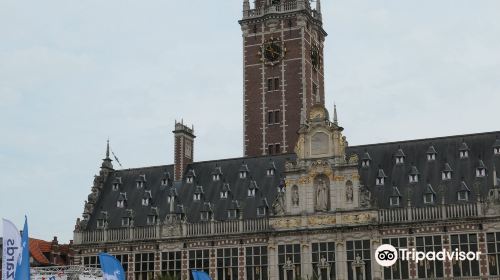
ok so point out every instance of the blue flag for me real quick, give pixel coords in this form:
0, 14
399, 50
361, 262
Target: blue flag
23, 263
111, 268
200, 275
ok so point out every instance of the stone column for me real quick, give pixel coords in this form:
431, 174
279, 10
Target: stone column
272, 251
483, 261
306, 260
213, 263
448, 269
184, 265
340, 260
157, 263
131, 266
377, 270
241, 263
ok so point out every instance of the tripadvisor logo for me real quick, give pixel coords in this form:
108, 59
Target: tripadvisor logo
386, 255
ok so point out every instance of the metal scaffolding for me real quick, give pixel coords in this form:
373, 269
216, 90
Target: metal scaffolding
70, 272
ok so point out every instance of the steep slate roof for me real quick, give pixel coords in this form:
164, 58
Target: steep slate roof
480, 147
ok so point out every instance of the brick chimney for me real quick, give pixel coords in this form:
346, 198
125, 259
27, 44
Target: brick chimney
183, 153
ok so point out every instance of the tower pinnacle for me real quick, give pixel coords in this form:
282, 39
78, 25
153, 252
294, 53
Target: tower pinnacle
106, 162
335, 119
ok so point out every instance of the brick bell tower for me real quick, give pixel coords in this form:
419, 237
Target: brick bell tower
283, 71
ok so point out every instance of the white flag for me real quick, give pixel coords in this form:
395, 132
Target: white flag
12, 248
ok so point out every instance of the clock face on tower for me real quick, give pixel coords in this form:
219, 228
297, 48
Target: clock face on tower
315, 57
272, 51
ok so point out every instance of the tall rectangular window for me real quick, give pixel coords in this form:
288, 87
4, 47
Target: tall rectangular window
465, 243
276, 83
269, 84
270, 117
256, 263
315, 91
227, 264
270, 149
425, 268
277, 148
171, 265
91, 261
289, 261
400, 269
144, 266
199, 260
493, 245
277, 116
323, 260
358, 259
123, 259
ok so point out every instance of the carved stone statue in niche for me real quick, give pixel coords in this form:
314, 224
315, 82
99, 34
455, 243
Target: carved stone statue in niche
365, 199
322, 185
279, 205
295, 195
349, 192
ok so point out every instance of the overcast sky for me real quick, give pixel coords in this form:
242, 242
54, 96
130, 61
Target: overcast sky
73, 73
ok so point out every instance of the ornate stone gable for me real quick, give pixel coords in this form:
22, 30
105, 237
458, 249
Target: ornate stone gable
323, 178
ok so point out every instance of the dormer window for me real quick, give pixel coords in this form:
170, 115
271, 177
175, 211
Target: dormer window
428, 198
116, 183
271, 168
394, 200
413, 178
399, 156
464, 150
431, 153
170, 199
380, 180
464, 154
366, 160
164, 181
496, 150
223, 194
261, 211
463, 192
244, 171
122, 200
140, 182
463, 196
146, 199
251, 192
100, 223
197, 197
151, 220
125, 222
232, 213
481, 170
447, 172
204, 216
216, 177
189, 179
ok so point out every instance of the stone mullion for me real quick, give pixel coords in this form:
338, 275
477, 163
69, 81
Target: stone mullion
241, 263
131, 266
483, 259
412, 266
157, 264
213, 263
448, 269
184, 265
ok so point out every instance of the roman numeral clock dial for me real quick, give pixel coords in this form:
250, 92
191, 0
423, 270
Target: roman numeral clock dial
272, 51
